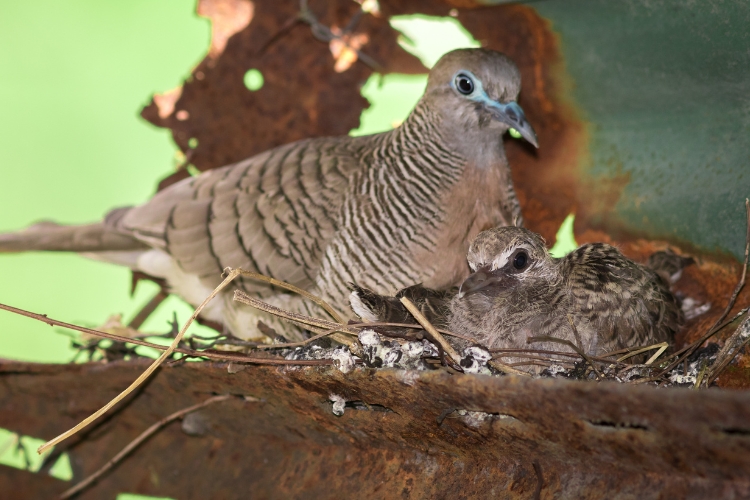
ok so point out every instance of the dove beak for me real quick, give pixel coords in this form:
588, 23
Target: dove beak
512, 115
478, 280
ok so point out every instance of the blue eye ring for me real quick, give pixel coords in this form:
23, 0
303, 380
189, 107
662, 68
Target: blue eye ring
464, 84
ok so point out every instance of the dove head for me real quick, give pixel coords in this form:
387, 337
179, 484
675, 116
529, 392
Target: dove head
507, 257
475, 91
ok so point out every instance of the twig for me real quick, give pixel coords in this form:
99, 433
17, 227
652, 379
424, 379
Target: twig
658, 353
570, 344
188, 352
288, 286
718, 325
168, 352
302, 319
431, 329
723, 358
137, 441
662, 346
684, 353
507, 369
539, 358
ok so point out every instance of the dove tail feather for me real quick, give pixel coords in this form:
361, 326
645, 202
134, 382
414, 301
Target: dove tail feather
49, 236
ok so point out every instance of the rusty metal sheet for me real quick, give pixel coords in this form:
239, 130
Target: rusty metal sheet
549, 438
662, 88
302, 95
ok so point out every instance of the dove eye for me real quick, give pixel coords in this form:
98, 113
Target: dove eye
464, 84
520, 260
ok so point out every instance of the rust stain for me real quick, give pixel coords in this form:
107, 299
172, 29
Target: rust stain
302, 96
228, 17
165, 102
288, 444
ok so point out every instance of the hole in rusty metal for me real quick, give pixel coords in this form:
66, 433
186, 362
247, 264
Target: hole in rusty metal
617, 425
361, 405
735, 431
253, 79
476, 415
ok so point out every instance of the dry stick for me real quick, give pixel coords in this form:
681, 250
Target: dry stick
137, 441
301, 319
413, 326
168, 352
507, 369
188, 352
724, 358
282, 284
717, 326
600, 359
662, 346
658, 353
572, 346
350, 325
548, 359
678, 355
430, 329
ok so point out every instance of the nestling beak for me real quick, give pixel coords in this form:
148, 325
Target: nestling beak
478, 280
512, 114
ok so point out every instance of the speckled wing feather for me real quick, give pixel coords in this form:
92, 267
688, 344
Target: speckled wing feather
433, 304
618, 300
272, 213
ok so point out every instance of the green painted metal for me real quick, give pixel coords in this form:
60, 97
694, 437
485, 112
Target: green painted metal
665, 88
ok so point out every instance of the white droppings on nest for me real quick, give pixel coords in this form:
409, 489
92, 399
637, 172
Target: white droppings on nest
678, 379
379, 353
339, 404
368, 337
343, 360
555, 370
474, 360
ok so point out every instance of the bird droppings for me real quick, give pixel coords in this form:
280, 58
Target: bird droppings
409, 355
339, 404
474, 360
343, 360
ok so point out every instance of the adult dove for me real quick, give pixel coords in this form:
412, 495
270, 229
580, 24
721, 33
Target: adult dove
320, 213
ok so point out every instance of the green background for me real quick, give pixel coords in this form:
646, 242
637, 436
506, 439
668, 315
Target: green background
74, 77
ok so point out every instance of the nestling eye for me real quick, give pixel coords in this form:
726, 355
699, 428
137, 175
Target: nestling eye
464, 84
521, 260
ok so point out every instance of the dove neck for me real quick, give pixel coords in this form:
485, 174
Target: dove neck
478, 141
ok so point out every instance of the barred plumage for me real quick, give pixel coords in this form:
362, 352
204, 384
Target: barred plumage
321, 213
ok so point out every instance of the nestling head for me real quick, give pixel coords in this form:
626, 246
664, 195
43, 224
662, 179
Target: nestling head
477, 89
506, 257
